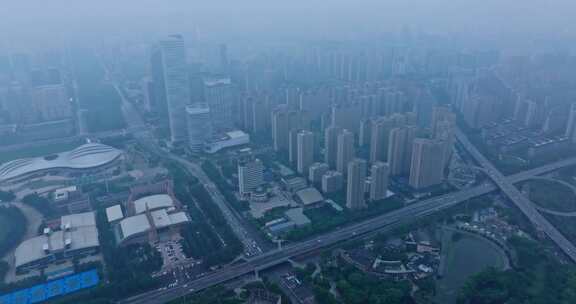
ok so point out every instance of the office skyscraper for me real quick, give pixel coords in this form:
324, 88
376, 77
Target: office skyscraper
347, 116
21, 67
444, 130
16, 105
260, 117
283, 120
332, 181
345, 151
535, 114
305, 151
394, 102
478, 110
224, 58
51, 102
316, 171
293, 146
379, 138
199, 126
410, 118
365, 132
331, 145
427, 167
157, 89
423, 105
292, 98
441, 115
520, 109
556, 120
220, 95
245, 114
250, 175
355, 186
379, 174
176, 85
280, 126
400, 150
315, 101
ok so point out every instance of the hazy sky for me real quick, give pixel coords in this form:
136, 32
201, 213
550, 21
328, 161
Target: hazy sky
23, 20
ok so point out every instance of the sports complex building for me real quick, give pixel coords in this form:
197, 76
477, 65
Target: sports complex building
150, 211
87, 157
77, 237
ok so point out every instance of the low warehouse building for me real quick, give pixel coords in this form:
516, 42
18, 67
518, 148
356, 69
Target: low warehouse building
77, 237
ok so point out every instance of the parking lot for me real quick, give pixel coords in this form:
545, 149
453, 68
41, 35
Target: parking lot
172, 253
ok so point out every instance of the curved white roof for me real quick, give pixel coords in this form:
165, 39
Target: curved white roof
134, 225
81, 233
138, 224
84, 157
32, 249
153, 202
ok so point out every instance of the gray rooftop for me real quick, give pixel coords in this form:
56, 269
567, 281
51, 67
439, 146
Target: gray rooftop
33, 249
153, 202
114, 213
309, 196
297, 216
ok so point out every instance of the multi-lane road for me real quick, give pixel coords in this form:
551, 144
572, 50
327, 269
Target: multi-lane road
144, 137
386, 222
383, 223
251, 247
525, 206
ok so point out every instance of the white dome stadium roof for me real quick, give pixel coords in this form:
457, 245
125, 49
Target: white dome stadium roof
87, 156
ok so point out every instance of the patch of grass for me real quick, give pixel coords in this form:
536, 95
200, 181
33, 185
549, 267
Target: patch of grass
326, 218
466, 255
12, 228
552, 195
3, 270
568, 174
537, 278
457, 236
566, 225
41, 204
5, 227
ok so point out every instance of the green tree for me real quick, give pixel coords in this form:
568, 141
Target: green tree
40, 203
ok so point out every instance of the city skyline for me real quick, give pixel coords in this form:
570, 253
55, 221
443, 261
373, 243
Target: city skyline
301, 152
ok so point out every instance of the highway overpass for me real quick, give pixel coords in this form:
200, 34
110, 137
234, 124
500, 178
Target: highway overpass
382, 223
524, 204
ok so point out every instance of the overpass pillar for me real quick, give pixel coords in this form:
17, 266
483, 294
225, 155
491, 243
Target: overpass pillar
279, 243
